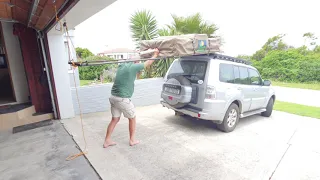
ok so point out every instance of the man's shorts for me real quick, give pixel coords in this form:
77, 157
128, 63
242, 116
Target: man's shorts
122, 105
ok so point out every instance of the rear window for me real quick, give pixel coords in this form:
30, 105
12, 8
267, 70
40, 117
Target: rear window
226, 73
192, 70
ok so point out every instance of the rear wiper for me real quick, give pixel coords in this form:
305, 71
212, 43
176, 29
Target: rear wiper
177, 74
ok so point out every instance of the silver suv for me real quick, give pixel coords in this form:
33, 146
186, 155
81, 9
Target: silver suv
217, 88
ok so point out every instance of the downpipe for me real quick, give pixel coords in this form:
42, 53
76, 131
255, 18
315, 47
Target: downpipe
40, 36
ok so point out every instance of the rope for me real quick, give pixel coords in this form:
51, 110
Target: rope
71, 157
57, 19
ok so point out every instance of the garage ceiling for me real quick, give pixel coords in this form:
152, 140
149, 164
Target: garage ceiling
22, 11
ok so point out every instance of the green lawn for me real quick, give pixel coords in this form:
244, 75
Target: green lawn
297, 109
314, 86
85, 82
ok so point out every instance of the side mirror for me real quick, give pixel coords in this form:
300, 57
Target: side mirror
266, 83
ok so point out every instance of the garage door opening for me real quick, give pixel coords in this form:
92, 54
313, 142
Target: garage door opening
7, 95
25, 98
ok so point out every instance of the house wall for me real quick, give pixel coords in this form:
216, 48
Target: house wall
61, 75
95, 98
16, 64
74, 81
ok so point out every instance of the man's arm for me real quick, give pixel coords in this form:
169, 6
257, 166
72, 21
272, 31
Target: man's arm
148, 63
139, 75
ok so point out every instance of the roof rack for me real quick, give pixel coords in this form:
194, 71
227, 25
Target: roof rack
226, 58
232, 59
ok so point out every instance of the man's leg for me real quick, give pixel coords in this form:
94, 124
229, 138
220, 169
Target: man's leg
129, 112
108, 142
132, 129
116, 114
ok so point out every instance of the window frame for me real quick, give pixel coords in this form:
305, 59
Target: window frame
232, 66
260, 78
248, 78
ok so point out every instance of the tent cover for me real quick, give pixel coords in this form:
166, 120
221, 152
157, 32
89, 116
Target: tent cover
181, 45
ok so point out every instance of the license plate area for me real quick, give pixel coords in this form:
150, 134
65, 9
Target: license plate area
173, 89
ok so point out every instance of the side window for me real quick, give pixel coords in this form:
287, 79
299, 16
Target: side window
255, 78
236, 75
244, 75
226, 73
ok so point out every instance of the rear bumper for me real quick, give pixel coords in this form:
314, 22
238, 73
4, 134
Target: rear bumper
194, 113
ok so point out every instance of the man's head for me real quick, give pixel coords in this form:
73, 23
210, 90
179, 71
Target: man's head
136, 57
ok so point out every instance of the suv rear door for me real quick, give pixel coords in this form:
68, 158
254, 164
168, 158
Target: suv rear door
195, 69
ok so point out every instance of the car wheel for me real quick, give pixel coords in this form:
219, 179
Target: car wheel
230, 120
268, 112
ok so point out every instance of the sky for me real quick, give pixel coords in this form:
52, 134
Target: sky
245, 25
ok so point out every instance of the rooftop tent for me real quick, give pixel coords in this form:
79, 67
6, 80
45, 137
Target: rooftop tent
181, 45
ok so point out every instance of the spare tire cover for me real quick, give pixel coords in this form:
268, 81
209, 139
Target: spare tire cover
177, 100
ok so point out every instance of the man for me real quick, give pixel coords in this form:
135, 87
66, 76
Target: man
120, 101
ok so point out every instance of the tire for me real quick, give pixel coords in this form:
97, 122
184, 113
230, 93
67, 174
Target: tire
180, 81
228, 125
269, 108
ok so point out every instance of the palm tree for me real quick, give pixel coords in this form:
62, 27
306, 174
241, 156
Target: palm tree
193, 24
143, 26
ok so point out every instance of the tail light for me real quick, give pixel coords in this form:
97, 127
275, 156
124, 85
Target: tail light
210, 92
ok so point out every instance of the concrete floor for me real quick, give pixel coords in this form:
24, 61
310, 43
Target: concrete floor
40, 154
283, 146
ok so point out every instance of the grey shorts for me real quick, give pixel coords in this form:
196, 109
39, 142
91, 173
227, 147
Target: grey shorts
122, 105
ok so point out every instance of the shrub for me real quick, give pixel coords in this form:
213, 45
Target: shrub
294, 65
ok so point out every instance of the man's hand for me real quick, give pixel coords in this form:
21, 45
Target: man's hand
148, 63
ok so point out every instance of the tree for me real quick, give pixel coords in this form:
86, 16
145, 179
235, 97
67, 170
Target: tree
244, 57
143, 26
83, 52
193, 24
311, 39
274, 43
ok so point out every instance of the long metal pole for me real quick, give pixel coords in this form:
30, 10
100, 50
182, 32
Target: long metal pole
101, 62
40, 36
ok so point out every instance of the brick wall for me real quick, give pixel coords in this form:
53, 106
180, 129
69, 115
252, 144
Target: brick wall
95, 98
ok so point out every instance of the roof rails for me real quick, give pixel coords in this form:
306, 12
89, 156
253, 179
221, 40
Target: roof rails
229, 58
226, 58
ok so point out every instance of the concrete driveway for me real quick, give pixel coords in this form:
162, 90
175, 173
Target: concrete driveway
283, 146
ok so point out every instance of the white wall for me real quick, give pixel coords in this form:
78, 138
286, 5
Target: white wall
71, 40
61, 75
15, 61
95, 98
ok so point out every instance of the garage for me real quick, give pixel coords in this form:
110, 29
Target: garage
33, 61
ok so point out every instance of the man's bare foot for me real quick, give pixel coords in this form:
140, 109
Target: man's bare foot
108, 143
132, 143
135, 142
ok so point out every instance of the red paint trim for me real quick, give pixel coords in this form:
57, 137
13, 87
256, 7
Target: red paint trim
70, 4
53, 84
